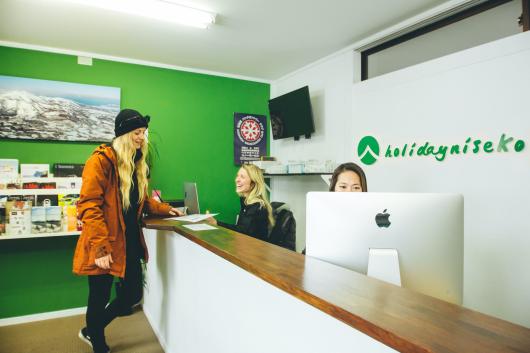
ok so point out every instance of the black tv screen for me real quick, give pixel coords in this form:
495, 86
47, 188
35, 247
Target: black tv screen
291, 115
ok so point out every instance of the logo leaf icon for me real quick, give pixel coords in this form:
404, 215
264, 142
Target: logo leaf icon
368, 150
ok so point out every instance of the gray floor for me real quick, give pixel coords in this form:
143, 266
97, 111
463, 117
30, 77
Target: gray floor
131, 334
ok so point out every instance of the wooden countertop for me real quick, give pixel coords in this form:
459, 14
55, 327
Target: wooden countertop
402, 319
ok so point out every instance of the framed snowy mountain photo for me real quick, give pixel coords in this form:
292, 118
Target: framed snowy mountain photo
32, 109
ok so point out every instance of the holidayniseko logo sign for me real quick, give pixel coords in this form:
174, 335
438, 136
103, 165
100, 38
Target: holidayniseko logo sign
369, 150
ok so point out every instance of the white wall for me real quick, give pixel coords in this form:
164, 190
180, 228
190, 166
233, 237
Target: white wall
480, 92
198, 302
330, 86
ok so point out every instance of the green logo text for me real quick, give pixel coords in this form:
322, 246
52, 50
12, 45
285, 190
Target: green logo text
368, 148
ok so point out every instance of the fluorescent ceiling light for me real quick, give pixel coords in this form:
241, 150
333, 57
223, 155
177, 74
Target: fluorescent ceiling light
156, 9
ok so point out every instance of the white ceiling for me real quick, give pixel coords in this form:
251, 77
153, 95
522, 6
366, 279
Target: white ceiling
263, 39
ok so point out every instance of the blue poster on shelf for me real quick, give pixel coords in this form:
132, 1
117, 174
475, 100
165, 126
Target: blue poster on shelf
250, 137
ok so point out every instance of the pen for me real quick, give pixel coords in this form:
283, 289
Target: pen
158, 194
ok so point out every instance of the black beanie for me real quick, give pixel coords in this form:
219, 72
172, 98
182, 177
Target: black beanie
128, 120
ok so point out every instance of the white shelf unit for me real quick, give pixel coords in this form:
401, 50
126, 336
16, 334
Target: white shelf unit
48, 180
38, 235
326, 177
13, 192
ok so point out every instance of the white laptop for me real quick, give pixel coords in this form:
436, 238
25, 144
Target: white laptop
191, 198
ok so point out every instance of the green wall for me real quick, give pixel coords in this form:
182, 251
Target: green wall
191, 126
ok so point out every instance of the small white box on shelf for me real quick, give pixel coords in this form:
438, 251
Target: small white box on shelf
330, 166
317, 166
314, 166
295, 167
276, 169
34, 170
264, 165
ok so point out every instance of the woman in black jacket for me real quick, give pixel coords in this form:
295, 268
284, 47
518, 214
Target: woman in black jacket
255, 217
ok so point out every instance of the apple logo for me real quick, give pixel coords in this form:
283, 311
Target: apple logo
381, 219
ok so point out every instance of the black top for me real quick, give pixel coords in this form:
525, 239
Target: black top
133, 247
253, 220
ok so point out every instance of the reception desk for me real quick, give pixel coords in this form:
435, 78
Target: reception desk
222, 291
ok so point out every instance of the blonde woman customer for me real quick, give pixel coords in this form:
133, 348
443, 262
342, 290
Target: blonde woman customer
113, 198
255, 217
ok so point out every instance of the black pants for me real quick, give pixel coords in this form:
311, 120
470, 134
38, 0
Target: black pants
129, 291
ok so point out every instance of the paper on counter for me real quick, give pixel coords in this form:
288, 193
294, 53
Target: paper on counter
193, 217
199, 226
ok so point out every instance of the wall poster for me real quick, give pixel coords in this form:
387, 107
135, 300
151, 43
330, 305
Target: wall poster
250, 137
32, 109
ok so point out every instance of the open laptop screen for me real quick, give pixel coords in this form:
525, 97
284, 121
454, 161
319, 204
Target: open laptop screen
191, 198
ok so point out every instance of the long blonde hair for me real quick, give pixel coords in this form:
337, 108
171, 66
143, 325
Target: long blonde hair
125, 154
258, 190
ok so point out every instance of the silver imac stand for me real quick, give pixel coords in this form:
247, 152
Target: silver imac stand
383, 264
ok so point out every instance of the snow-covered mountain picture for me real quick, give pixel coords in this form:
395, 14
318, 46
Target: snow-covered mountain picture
32, 109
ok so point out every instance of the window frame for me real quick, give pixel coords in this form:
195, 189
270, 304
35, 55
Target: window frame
466, 13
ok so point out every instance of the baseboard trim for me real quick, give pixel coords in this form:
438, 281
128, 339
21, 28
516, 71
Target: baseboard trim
42, 316
155, 330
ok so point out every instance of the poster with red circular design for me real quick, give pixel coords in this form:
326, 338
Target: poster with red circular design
250, 137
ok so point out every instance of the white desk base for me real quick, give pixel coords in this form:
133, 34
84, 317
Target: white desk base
198, 302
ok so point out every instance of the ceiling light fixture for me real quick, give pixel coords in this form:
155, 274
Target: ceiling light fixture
156, 9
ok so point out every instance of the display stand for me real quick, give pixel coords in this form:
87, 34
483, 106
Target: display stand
39, 235
383, 264
73, 183
326, 177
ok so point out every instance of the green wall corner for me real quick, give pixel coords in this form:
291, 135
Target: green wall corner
191, 128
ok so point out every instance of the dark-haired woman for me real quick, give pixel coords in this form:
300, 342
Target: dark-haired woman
347, 177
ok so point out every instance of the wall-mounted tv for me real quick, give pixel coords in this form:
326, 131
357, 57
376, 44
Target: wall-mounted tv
291, 115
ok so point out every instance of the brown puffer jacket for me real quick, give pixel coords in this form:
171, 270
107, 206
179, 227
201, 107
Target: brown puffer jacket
100, 210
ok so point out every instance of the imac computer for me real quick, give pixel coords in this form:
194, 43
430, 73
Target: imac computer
191, 198
426, 230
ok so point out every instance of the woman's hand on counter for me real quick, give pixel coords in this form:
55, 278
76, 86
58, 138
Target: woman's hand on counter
176, 212
211, 220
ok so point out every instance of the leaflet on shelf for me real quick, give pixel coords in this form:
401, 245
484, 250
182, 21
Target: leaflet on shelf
37, 185
9, 184
3, 219
18, 217
6, 198
38, 219
68, 170
53, 219
67, 199
68, 183
48, 200
72, 223
34, 170
8, 169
